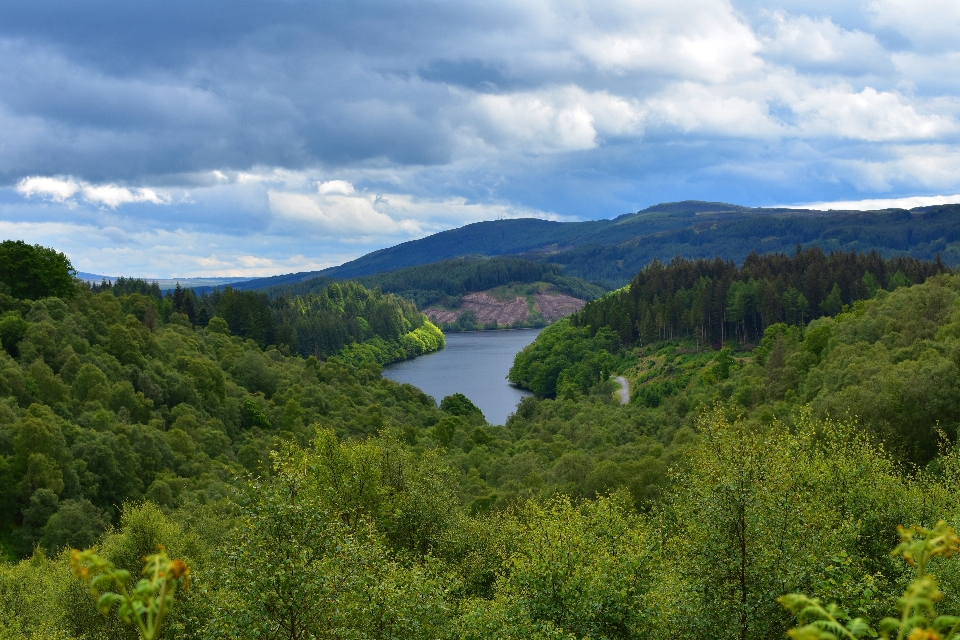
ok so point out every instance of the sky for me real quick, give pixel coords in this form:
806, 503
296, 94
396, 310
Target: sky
242, 138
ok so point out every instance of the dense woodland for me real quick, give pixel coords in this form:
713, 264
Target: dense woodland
715, 300
445, 282
342, 319
316, 499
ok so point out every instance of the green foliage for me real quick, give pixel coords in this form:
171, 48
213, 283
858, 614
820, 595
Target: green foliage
339, 319
565, 359
316, 499
148, 602
377, 351
917, 607
122, 287
712, 301
576, 571
33, 271
248, 314
12, 330
447, 281
889, 362
98, 409
460, 405
312, 555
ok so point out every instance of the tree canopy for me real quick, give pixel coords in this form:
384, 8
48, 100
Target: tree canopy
32, 271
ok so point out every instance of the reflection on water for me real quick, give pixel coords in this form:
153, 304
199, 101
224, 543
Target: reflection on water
474, 364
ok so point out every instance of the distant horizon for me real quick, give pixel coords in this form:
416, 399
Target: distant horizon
202, 280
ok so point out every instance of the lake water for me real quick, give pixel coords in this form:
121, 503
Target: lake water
474, 363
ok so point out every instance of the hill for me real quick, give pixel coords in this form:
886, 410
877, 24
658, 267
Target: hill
658, 333
474, 292
612, 251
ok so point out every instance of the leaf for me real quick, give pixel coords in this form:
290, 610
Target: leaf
943, 622
888, 624
860, 627
106, 602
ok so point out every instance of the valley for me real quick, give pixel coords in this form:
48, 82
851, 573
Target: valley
274, 438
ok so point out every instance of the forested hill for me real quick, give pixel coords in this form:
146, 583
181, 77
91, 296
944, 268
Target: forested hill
447, 281
706, 304
612, 251
338, 319
713, 300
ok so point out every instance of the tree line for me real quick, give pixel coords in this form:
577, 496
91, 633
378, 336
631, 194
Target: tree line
321, 323
712, 301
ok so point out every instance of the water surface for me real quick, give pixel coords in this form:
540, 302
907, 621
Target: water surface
475, 364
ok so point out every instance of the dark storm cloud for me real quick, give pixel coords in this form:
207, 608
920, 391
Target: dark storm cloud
125, 90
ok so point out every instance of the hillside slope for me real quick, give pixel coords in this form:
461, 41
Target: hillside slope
611, 251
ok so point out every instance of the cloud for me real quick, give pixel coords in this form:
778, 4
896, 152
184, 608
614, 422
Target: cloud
109, 195
339, 210
928, 24
299, 230
881, 203
930, 166
347, 217
554, 120
817, 44
694, 107
55, 189
167, 254
690, 39
868, 115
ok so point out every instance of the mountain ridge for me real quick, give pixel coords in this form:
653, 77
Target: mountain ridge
609, 251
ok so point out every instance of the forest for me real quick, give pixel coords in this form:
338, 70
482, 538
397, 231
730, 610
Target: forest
444, 283
758, 490
343, 319
713, 300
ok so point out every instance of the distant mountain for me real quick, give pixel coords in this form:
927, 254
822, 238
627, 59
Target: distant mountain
611, 251
168, 283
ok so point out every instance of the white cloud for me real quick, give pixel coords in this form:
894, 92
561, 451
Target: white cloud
881, 203
341, 187
298, 230
921, 167
929, 24
690, 39
55, 189
818, 43
929, 73
175, 253
338, 209
334, 213
694, 107
868, 115
554, 120
63, 189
